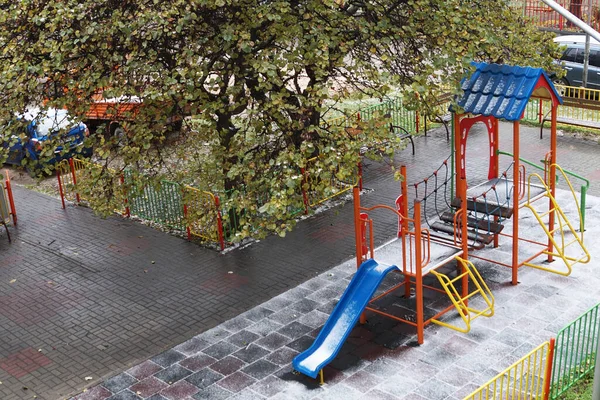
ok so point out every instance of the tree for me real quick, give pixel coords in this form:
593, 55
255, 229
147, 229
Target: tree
259, 78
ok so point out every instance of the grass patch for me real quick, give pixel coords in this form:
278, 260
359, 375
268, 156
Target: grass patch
582, 390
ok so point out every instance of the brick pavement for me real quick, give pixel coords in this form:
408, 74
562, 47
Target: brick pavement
94, 297
249, 356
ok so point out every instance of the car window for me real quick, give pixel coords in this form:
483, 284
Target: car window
50, 120
579, 56
570, 54
595, 58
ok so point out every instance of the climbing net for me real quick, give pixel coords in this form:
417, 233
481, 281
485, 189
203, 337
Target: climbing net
435, 193
488, 204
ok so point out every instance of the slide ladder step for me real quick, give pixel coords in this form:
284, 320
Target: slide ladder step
472, 222
480, 205
483, 238
466, 313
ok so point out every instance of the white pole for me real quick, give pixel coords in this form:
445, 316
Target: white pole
576, 21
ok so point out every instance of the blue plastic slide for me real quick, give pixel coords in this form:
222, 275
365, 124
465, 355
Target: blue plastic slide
344, 317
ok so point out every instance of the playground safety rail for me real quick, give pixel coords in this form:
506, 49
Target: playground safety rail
575, 351
528, 378
584, 187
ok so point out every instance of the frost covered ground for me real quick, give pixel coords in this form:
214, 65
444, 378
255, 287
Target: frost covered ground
250, 356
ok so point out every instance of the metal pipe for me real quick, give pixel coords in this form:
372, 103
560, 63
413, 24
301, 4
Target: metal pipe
572, 18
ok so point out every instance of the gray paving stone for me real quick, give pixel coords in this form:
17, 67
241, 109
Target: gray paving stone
236, 382
204, 378
251, 353
192, 346
197, 362
125, 395
173, 374
168, 358
269, 386
260, 369
282, 356
220, 350
243, 338
119, 382
257, 313
213, 392
294, 330
273, 341
228, 365
265, 327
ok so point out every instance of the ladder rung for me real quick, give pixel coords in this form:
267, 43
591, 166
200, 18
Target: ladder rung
470, 295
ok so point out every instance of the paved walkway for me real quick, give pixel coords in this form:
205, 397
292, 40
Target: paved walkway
249, 357
87, 298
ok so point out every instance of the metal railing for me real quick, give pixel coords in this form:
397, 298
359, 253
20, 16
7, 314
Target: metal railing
575, 352
528, 378
545, 17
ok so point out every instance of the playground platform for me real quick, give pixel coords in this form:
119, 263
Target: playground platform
121, 304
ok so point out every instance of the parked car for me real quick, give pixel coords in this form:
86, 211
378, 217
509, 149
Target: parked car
572, 60
42, 130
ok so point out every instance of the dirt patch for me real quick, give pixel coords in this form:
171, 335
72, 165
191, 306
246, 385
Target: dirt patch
45, 184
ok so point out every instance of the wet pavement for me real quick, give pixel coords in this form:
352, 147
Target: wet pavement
83, 299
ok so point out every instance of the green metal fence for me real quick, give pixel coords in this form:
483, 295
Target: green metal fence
399, 115
162, 204
575, 352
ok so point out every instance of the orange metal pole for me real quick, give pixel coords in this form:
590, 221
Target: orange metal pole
187, 224
549, 364
497, 158
404, 192
360, 176
11, 200
358, 237
515, 217
419, 273
552, 180
60, 188
72, 165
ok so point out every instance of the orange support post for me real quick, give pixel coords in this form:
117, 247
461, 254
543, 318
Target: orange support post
549, 364
404, 227
72, 166
419, 273
357, 226
220, 223
358, 236
187, 225
360, 176
515, 217
60, 188
11, 200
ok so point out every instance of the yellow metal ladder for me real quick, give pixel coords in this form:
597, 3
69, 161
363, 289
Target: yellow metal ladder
562, 226
466, 313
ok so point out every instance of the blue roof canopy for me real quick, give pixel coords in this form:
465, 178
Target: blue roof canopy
503, 91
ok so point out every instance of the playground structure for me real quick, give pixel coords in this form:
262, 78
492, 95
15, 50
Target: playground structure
8, 212
451, 220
